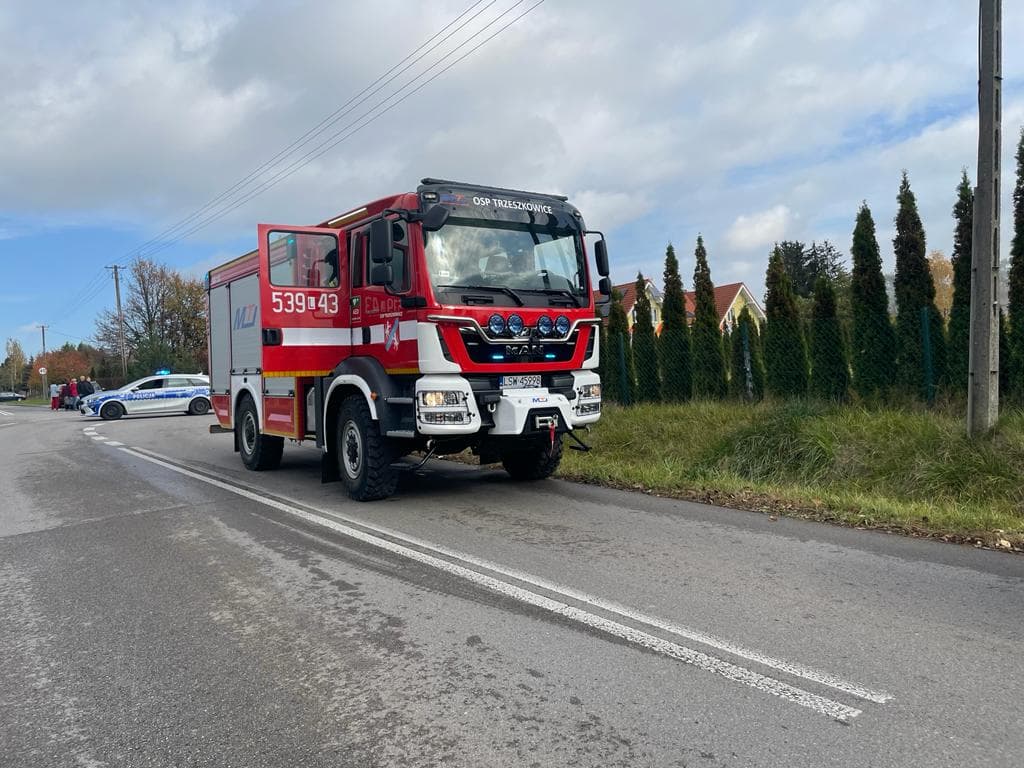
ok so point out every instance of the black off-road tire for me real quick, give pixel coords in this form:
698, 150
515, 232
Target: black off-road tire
259, 452
199, 407
111, 411
534, 460
364, 455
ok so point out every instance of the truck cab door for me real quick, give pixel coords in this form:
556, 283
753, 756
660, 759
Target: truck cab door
303, 300
381, 327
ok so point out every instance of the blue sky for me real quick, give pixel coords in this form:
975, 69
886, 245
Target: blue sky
747, 122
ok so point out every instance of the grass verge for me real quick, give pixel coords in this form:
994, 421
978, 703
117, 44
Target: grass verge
904, 470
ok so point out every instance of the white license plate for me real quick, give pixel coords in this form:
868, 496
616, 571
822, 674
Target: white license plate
525, 381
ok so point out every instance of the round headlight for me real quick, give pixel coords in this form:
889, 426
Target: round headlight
562, 325
544, 325
496, 325
515, 324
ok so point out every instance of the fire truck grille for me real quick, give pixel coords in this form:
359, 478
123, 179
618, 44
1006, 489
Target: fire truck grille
536, 351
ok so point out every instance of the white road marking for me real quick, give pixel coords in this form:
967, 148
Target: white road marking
114, 443
97, 437
8, 424
6, 413
736, 673
797, 670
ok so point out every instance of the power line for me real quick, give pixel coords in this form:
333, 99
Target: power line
86, 339
90, 287
320, 127
85, 299
340, 136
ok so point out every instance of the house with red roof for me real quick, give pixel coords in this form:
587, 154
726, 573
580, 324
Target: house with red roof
730, 300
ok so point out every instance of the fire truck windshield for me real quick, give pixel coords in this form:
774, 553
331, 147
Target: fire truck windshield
499, 255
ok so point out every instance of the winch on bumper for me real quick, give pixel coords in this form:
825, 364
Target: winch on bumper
450, 405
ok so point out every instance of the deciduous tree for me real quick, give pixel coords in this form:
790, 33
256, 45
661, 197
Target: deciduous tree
61, 364
941, 270
164, 319
13, 369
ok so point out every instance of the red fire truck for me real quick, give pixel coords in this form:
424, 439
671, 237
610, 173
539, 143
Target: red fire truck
454, 317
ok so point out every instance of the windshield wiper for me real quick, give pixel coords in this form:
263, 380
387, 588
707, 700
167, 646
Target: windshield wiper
561, 292
497, 288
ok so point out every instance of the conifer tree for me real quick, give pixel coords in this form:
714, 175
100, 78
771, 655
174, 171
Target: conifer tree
645, 354
674, 343
1004, 354
830, 367
619, 386
602, 351
874, 345
708, 359
1015, 318
746, 381
960, 313
784, 348
915, 293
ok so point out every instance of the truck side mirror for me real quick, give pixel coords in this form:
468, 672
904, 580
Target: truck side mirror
382, 274
380, 242
601, 257
605, 286
435, 218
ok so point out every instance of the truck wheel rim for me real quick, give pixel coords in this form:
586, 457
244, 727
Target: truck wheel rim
352, 450
248, 434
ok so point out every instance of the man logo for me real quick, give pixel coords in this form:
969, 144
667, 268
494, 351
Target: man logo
523, 350
245, 317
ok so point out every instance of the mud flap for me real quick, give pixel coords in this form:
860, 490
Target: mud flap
329, 472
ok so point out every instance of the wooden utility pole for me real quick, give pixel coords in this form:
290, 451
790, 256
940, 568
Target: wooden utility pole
120, 324
983, 385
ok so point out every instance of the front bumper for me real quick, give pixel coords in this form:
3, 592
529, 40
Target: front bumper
507, 412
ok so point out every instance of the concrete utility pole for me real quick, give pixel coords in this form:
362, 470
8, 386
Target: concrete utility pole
983, 384
120, 324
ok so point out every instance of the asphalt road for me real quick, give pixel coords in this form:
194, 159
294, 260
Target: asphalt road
161, 606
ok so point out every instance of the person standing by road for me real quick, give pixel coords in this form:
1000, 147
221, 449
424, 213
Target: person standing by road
84, 387
54, 396
72, 393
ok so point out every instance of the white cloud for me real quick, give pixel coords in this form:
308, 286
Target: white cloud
750, 122
759, 229
609, 210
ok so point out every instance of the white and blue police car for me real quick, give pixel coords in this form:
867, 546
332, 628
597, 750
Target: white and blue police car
163, 393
